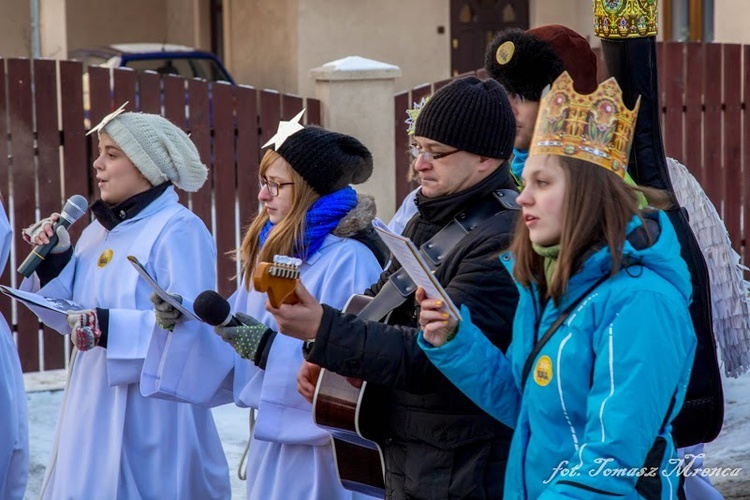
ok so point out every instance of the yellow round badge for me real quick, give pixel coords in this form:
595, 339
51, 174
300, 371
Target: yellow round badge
105, 257
543, 371
504, 52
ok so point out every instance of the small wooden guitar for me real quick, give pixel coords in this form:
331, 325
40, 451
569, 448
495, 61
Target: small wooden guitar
339, 403
278, 279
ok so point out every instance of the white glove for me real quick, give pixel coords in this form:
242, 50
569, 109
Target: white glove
32, 234
166, 314
85, 332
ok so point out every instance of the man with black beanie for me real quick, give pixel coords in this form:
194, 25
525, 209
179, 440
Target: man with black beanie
436, 442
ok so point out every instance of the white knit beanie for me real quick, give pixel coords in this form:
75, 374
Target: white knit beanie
159, 149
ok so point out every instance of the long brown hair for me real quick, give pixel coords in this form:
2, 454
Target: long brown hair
597, 208
286, 237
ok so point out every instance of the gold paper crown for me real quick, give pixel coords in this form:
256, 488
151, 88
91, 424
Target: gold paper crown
625, 18
596, 127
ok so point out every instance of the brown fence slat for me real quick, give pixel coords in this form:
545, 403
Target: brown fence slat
100, 95
290, 106
149, 92
732, 182
694, 111
5, 302
712, 125
124, 88
248, 153
224, 185
270, 114
22, 171
746, 154
313, 113
77, 166
200, 115
674, 86
48, 147
174, 110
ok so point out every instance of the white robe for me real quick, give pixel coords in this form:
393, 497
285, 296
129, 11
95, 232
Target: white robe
290, 457
111, 441
14, 436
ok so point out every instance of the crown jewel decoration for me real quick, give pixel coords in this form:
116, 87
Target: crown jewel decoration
411, 121
620, 19
596, 127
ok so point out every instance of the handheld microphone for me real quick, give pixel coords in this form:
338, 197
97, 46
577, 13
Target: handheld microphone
74, 208
213, 309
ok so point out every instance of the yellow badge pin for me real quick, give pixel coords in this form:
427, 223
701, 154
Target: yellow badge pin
505, 52
543, 371
105, 257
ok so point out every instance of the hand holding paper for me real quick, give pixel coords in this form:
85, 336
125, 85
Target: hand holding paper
407, 254
438, 327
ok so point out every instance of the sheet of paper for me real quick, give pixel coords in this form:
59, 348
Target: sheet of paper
60, 306
407, 254
50, 310
159, 290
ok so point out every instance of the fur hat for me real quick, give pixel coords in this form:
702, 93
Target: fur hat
328, 161
158, 148
472, 115
525, 62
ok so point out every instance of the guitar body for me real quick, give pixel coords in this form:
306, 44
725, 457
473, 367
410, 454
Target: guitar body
344, 408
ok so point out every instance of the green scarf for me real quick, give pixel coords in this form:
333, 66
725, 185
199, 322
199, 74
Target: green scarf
550, 254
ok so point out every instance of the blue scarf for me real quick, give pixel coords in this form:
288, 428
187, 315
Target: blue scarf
519, 160
321, 218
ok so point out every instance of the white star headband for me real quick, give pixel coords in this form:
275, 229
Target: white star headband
285, 130
108, 118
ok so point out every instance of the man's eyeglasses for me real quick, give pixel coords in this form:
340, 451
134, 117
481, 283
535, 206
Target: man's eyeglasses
273, 187
428, 156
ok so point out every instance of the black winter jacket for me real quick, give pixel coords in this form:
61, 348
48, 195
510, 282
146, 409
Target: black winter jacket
436, 442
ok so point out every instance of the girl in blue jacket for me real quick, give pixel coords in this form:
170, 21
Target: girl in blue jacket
602, 342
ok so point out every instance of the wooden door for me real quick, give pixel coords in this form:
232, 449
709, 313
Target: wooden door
475, 22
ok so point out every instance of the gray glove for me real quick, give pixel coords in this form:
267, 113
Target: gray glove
245, 339
36, 229
166, 314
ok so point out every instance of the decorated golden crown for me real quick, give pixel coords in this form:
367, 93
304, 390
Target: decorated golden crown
595, 127
625, 18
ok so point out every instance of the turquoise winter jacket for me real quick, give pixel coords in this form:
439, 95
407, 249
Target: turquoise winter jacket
595, 415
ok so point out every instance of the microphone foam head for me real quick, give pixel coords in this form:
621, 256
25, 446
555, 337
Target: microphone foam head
75, 207
211, 308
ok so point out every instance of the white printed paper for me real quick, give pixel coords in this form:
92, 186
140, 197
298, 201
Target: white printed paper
159, 290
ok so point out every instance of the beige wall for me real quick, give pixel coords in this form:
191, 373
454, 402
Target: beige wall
275, 43
95, 22
731, 19
15, 28
188, 22
575, 14
261, 42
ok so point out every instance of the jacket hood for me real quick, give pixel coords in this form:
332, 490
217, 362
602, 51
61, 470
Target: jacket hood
358, 218
659, 252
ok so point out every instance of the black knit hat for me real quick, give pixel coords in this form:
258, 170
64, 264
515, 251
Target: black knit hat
328, 161
471, 115
531, 60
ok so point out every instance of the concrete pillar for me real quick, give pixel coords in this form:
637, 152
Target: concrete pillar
356, 97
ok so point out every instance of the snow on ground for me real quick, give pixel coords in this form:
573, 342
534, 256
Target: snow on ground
731, 450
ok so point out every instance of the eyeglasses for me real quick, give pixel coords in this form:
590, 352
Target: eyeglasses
273, 187
428, 156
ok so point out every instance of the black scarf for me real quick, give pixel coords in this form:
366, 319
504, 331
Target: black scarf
111, 215
435, 213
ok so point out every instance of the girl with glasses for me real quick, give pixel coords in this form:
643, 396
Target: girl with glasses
310, 212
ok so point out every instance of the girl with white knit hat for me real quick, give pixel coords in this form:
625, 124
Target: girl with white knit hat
112, 442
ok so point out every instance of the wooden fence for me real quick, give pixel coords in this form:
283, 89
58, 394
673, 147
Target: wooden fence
705, 91
47, 157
